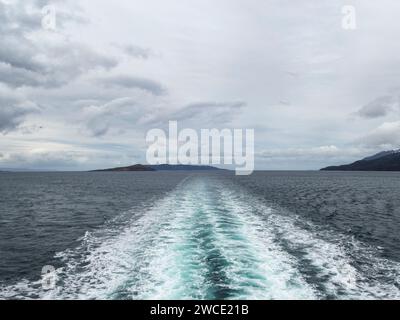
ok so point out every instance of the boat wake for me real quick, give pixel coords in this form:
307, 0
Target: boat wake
211, 239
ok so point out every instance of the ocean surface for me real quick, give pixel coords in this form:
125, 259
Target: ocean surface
187, 235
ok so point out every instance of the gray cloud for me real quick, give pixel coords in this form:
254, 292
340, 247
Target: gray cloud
131, 82
13, 110
136, 51
206, 55
16, 17
196, 115
11, 117
23, 17
30, 56
126, 112
13, 53
379, 107
99, 119
209, 113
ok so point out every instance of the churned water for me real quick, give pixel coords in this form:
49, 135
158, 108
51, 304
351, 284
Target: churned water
154, 235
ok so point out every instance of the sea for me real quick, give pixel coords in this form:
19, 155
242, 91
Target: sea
200, 235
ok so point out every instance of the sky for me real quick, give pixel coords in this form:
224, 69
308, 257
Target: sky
83, 95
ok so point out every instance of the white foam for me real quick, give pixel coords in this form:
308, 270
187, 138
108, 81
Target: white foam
332, 254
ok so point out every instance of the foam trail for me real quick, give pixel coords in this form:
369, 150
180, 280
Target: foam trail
210, 239
329, 259
219, 254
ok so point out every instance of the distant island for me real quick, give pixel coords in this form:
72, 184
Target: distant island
382, 161
160, 167
136, 167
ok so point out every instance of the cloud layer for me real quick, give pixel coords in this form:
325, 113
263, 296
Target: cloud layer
34, 57
381, 106
315, 93
13, 109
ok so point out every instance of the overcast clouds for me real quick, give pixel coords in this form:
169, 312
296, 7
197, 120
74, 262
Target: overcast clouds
84, 95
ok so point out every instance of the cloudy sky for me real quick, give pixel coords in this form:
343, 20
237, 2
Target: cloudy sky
83, 96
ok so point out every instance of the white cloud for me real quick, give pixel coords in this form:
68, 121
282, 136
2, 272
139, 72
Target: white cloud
60, 156
385, 136
322, 152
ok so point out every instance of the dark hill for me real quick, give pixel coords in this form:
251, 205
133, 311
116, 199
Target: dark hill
161, 167
180, 167
384, 161
136, 167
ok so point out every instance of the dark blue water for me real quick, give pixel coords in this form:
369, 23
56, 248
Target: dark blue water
182, 235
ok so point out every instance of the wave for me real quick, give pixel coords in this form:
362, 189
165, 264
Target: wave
211, 239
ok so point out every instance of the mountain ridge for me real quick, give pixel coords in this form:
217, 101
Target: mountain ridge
382, 161
160, 167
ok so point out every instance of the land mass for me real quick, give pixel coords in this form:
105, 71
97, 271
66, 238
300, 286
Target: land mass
382, 161
160, 167
136, 167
